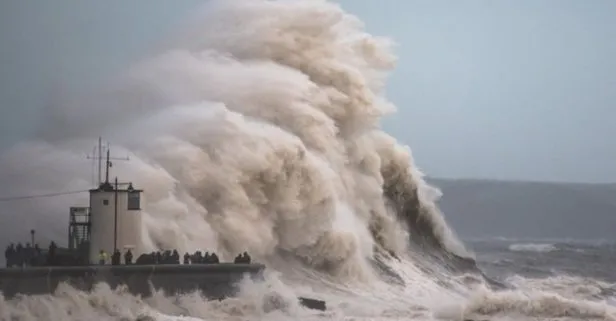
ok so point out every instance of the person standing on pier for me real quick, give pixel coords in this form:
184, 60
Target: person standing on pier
128, 257
9, 255
102, 257
19, 255
51, 253
116, 257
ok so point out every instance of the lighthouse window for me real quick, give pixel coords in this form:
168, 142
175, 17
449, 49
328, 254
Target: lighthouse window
134, 201
105, 202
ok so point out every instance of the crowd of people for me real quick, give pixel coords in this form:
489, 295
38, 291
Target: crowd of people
168, 257
19, 255
23, 256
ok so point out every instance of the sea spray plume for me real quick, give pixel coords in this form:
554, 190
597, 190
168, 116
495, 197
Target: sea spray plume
313, 37
326, 37
259, 132
318, 58
259, 186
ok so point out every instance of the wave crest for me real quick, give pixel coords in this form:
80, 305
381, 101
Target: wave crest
532, 247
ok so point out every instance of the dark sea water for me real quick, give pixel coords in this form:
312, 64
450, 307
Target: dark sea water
506, 259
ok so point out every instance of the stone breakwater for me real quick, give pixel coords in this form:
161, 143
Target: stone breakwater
215, 281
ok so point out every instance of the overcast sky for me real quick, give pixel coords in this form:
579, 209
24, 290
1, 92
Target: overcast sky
518, 89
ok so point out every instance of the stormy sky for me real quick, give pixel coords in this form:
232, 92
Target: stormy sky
519, 90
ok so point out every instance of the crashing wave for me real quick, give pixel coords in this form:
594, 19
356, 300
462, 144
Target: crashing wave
253, 133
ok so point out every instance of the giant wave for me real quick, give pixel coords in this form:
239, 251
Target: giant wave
257, 129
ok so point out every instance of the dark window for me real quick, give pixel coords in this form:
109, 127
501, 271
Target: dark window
105, 202
134, 201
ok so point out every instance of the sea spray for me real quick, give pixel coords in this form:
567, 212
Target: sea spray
257, 133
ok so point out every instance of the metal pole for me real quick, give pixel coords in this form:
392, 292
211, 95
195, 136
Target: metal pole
32, 236
115, 216
100, 160
107, 165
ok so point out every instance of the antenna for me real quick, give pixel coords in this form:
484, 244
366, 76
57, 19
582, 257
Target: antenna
108, 163
93, 167
99, 158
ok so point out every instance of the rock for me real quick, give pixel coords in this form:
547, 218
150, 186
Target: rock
144, 318
313, 303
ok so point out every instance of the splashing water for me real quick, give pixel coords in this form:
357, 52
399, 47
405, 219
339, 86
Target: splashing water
257, 129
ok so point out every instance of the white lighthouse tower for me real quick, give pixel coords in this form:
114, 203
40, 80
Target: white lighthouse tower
115, 217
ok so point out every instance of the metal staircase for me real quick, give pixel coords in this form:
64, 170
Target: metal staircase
79, 230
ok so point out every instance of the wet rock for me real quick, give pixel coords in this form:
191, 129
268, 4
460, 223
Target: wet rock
144, 318
313, 303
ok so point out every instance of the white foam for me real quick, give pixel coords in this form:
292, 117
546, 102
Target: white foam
532, 247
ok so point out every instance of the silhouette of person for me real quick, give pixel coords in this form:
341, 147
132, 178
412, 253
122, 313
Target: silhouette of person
175, 257
19, 255
213, 259
102, 257
51, 254
246, 258
116, 257
128, 257
10, 255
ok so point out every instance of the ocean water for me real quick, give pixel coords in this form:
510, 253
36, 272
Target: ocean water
540, 259
545, 280
255, 128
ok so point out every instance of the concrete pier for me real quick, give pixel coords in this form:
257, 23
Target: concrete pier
214, 280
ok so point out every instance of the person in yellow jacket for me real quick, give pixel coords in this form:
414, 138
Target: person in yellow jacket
102, 257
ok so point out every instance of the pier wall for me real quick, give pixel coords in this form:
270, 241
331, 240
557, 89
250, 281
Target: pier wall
214, 280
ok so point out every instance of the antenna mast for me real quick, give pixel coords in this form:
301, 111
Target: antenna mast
99, 157
107, 166
108, 163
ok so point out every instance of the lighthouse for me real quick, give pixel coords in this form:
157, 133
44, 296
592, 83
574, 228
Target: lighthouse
115, 217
